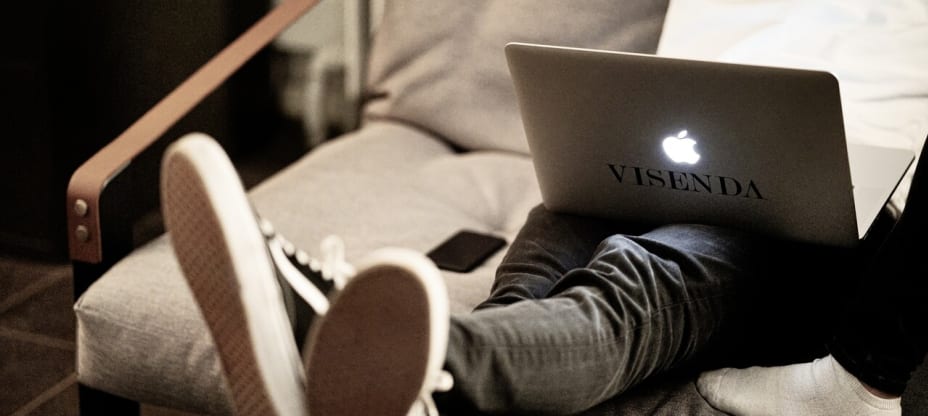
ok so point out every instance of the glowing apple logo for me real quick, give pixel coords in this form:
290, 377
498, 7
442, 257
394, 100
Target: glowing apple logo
680, 148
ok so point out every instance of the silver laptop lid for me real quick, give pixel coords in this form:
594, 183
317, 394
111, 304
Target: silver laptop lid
663, 140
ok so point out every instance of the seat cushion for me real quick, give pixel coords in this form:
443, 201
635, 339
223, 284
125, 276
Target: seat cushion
140, 334
439, 64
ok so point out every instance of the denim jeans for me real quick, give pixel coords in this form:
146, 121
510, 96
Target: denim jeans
582, 309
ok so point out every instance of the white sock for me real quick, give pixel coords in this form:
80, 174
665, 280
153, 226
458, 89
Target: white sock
822, 387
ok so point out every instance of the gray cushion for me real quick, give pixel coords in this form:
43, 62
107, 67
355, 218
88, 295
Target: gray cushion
140, 334
439, 64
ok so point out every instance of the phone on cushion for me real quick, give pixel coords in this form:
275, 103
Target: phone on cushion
465, 251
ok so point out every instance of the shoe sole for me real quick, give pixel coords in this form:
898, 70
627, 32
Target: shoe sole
224, 259
383, 342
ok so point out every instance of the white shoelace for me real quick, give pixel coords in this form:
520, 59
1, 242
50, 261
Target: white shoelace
336, 269
333, 266
426, 404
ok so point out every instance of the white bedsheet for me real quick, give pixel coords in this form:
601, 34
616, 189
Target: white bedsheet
878, 50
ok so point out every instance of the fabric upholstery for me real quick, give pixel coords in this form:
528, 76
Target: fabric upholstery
442, 149
140, 333
439, 84
441, 66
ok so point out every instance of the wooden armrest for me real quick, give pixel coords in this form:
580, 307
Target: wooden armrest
89, 180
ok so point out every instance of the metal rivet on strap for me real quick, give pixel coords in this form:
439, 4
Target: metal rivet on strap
82, 233
80, 208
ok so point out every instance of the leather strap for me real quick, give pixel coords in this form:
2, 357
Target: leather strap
89, 180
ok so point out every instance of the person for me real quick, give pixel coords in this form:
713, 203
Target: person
581, 310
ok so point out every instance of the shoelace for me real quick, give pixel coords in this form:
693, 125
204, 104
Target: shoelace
443, 383
334, 267
309, 278
303, 274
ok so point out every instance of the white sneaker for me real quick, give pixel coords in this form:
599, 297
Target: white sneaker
377, 348
234, 263
381, 347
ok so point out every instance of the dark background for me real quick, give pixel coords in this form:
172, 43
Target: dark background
74, 75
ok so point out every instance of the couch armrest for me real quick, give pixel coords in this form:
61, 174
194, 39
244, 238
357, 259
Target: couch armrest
90, 179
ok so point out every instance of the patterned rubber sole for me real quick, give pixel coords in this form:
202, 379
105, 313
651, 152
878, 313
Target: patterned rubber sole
208, 262
368, 356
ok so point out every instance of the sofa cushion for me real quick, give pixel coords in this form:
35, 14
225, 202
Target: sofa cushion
439, 64
140, 334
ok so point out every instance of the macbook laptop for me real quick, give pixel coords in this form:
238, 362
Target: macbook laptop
662, 140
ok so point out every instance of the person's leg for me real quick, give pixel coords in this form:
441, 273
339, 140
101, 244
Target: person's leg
548, 246
881, 340
642, 305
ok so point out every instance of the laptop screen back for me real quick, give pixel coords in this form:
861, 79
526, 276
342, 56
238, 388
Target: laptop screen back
661, 140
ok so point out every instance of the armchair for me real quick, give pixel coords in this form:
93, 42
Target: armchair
440, 148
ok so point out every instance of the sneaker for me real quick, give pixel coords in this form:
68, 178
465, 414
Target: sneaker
234, 263
380, 348
378, 337
306, 283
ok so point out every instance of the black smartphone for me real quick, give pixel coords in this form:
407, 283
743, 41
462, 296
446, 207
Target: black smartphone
465, 250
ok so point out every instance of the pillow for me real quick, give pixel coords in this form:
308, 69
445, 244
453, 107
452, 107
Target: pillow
440, 64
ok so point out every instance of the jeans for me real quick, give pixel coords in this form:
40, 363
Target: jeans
582, 309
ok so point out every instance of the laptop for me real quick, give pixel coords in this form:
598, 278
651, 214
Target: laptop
658, 140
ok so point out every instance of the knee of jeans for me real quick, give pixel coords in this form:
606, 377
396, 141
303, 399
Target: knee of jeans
621, 257
615, 240
633, 260
690, 231
620, 245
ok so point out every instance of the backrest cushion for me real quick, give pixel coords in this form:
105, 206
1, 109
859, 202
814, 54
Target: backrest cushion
440, 64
